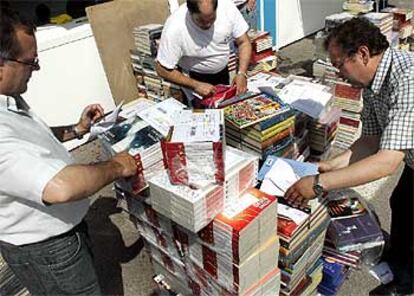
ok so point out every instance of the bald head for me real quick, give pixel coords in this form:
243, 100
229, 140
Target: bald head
197, 6
203, 12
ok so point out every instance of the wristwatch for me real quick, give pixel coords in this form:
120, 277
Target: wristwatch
243, 74
317, 186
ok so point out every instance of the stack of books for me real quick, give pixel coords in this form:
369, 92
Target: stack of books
383, 20
195, 208
235, 254
301, 239
358, 6
301, 232
194, 150
142, 141
240, 246
261, 125
147, 38
190, 208
402, 24
349, 100
149, 84
353, 227
203, 284
301, 135
322, 133
263, 57
138, 71
352, 259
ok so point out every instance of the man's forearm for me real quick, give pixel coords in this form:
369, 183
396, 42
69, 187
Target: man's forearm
66, 133
362, 148
76, 182
371, 168
176, 77
245, 51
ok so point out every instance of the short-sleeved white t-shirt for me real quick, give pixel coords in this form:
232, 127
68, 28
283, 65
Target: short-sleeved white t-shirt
30, 156
183, 43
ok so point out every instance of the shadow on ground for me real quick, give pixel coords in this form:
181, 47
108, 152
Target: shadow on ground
108, 245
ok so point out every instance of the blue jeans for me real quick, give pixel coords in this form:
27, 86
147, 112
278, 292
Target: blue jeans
61, 265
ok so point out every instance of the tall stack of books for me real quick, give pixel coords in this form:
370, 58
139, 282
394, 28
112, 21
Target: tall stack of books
263, 57
301, 238
261, 125
322, 133
349, 100
402, 25
358, 6
301, 232
215, 233
147, 38
240, 247
235, 254
143, 64
384, 21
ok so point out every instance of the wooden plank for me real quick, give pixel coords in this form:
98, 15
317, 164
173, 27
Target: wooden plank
112, 24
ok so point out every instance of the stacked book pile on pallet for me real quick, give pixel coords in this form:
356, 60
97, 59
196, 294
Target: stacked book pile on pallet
207, 229
149, 84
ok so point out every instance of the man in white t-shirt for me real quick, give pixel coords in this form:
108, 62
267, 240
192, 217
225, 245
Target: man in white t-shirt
43, 193
196, 38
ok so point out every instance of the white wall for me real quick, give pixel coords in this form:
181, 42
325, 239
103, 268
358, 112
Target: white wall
71, 74
299, 18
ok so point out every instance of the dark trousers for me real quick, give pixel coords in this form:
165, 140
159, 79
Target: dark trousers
61, 265
401, 253
221, 77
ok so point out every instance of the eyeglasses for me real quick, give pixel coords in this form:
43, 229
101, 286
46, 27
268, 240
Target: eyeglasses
34, 63
340, 64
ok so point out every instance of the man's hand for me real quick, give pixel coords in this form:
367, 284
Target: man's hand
204, 89
300, 192
251, 5
89, 115
240, 81
126, 163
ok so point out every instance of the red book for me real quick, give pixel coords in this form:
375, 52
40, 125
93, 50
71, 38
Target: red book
223, 92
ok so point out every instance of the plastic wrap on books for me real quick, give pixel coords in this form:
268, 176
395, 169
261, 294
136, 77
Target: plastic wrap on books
354, 226
222, 93
175, 162
207, 282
